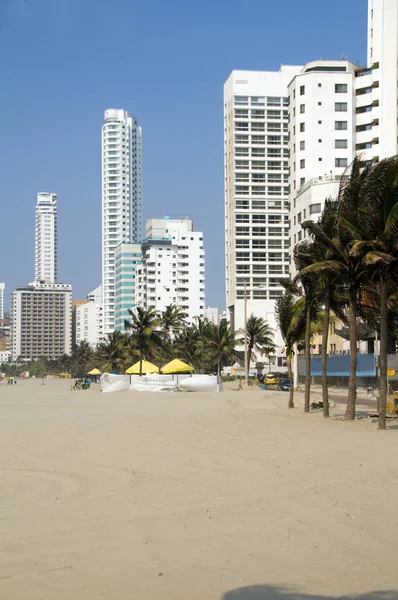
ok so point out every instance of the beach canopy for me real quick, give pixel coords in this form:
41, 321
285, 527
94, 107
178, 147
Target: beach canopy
94, 372
177, 366
147, 367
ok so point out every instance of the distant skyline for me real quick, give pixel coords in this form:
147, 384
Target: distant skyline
65, 62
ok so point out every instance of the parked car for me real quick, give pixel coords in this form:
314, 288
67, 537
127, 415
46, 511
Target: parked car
284, 384
272, 378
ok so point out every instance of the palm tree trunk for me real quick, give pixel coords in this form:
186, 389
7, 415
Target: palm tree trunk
325, 338
140, 364
352, 384
249, 358
219, 367
291, 389
307, 359
383, 391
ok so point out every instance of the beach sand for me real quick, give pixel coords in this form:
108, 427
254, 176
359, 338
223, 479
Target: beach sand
190, 496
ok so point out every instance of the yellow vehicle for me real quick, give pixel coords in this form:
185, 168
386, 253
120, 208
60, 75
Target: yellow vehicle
272, 378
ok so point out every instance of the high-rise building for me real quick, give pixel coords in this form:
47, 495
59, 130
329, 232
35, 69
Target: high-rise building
41, 321
256, 169
46, 238
173, 267
128, 258
321, 137
88, 322
2, 293
121, 197
377, 106
212, 315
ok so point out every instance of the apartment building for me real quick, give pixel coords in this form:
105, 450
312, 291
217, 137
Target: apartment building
88, 320
121, 197
46, 237
173, 267
41, 321
2, 294
322, 139
256, 169
128, 259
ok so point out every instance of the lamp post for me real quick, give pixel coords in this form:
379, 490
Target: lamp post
245, 320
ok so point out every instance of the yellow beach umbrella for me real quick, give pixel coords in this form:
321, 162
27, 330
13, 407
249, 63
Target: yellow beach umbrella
147, 367
94, 372
177, 366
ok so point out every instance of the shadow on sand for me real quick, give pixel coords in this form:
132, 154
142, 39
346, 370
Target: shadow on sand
270, 592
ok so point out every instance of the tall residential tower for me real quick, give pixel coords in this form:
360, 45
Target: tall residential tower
46, 238
256, 171
121, 198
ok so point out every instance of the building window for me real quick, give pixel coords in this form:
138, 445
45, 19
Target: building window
319, 85
302, 145
320, 159
302, 90
319, 103
315, 209
241, 100
341, 162
340, 125
340, 88
341, 144
320, 141
302, 181
302, 109
302, 163
340, 106
302, 127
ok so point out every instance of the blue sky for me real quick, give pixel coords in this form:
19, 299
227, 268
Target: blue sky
63, 62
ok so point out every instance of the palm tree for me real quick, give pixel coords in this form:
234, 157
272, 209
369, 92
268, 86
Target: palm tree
114, 351
202, 327
187, 344
221, 342
260, 338
144, 337
305, 254
172, 319
380, 251
352, 223
330, 293
290, 317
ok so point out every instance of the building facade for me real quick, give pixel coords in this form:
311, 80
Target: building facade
121, 197
256, 170
322, 139
41, 321
46, 238
212, 315
128, 259
88, 321
173, 267
2, 294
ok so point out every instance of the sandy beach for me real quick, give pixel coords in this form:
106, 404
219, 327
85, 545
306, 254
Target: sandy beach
191, 496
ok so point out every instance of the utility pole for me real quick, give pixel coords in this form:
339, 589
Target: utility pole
245, 319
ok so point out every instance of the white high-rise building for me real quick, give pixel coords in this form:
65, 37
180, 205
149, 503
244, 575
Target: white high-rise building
41, 316
46, 238
121, 197
173, 267
88, 319
322, 137
2, 294
256, 155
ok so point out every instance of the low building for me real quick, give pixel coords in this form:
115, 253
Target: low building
212, 315
173, 267
88, 320
128, 258
41, 316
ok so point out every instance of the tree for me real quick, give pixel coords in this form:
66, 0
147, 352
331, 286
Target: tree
172, 319
330, 293
305, 254
290, 317
142, 326
81, 358
351, 225
221, 342
114, 351
259, 337
380, 251
203, 329
187, 345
